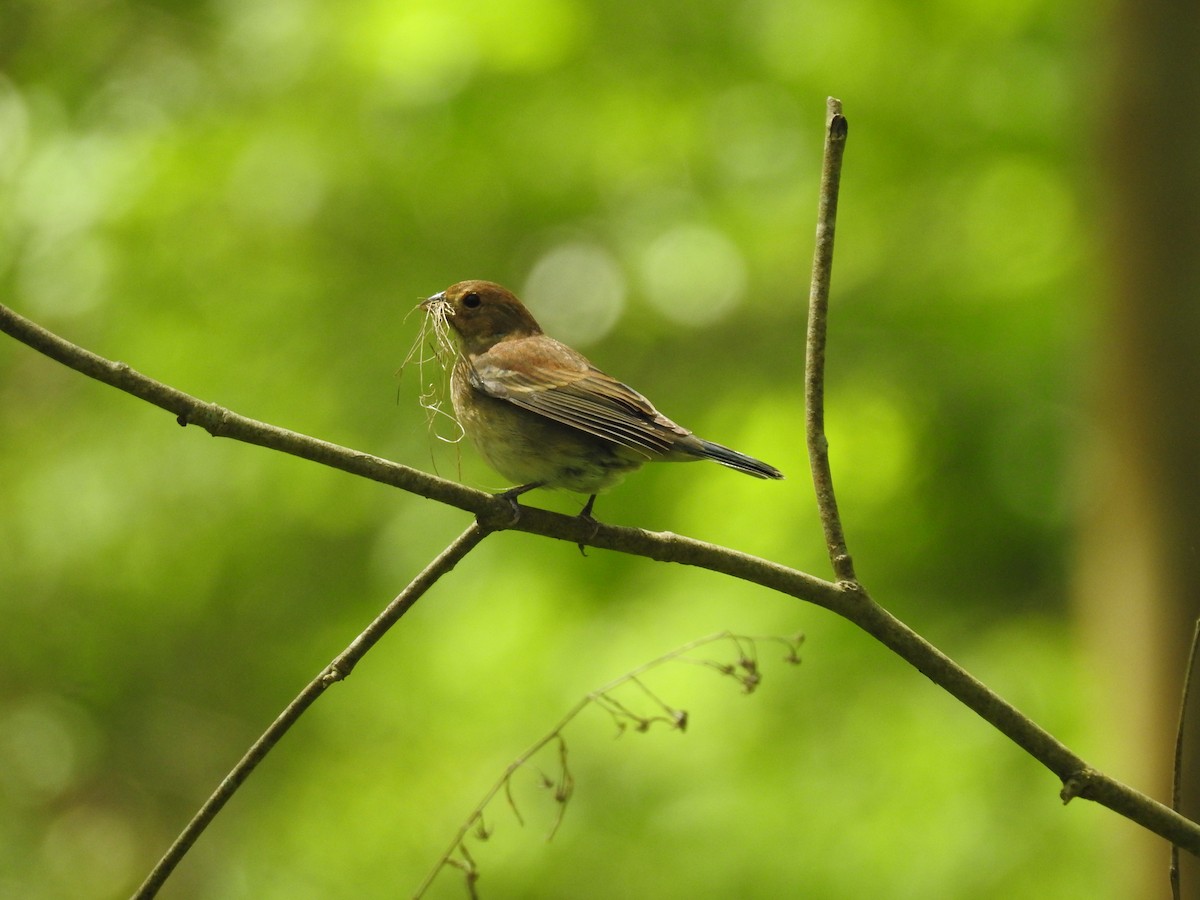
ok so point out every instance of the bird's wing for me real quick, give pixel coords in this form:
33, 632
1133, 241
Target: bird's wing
552, 380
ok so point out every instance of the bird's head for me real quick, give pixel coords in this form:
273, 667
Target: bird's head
482, 313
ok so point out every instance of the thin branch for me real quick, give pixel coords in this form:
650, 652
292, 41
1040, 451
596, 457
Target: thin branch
1078, 778
1177, 781
563, 789
339, 669
814, 361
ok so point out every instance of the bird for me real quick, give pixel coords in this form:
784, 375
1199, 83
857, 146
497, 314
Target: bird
542, 415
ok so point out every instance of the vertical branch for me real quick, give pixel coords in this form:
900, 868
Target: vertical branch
814, 367
1177, 784
337, 670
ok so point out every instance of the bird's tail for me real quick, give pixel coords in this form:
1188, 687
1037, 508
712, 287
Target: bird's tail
739, 461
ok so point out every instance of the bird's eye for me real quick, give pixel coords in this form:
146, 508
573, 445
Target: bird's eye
471, 300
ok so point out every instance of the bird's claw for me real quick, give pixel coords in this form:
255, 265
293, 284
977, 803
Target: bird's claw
511, 496
585, 516
516, 510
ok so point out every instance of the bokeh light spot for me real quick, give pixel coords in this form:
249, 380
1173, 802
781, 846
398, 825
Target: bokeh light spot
576, 292
694, 275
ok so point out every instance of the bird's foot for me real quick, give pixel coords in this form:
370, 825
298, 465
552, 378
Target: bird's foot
585, 515
511, 496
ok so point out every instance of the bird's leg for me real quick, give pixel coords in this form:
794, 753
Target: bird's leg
512, 494
586, 515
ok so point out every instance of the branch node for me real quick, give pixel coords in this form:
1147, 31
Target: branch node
492, 520
1077, 784
212, 418
335, 673
843, 568
215, 419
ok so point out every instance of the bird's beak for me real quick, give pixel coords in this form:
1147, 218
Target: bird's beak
428, 302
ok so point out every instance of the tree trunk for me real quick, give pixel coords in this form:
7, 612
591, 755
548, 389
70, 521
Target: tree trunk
1140, 550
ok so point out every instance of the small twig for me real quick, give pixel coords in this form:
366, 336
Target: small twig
340, 668
1177, 782
563, 789
673, 716
565, 784
814, 365
469, 869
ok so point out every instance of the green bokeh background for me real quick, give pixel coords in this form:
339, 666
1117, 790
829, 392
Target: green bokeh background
245, 199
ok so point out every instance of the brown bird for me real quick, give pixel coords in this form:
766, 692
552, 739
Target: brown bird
542, 415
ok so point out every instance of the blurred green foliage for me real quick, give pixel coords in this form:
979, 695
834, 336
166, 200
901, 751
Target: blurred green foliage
245, 199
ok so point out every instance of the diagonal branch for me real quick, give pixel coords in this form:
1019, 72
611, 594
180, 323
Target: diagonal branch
340, 668
221, 422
